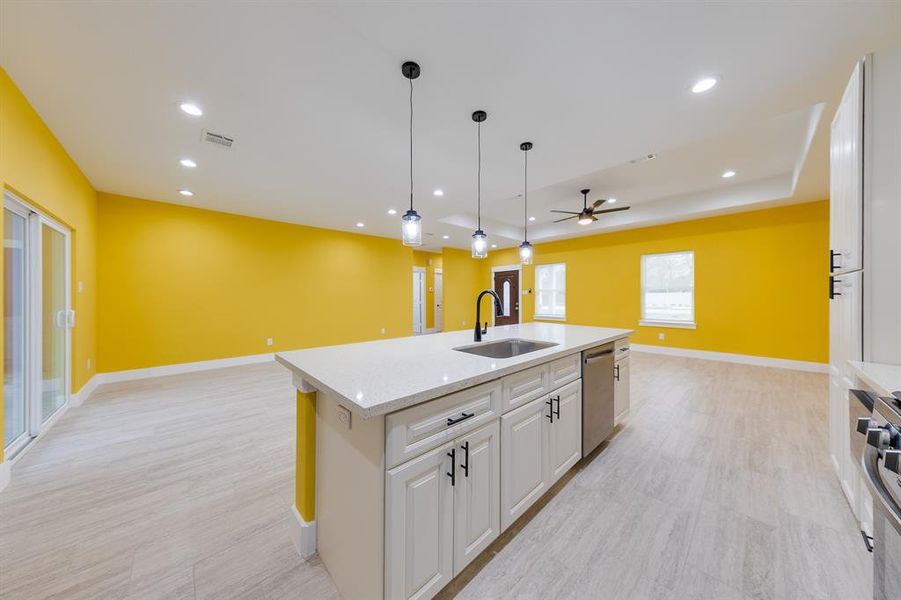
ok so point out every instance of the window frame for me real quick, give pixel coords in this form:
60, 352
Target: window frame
549, 317
677, 324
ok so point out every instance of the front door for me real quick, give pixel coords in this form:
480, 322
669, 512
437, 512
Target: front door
506, 284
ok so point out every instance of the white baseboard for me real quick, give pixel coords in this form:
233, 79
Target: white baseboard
79, 397
4, 474
303, 534
745, 359
177, 369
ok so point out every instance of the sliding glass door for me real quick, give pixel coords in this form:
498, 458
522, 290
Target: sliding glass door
36, 322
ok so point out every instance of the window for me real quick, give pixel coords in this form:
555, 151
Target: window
668, 289
550, 291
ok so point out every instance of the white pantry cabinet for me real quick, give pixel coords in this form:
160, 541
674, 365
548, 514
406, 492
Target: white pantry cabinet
846, 179
419, 535
443, 510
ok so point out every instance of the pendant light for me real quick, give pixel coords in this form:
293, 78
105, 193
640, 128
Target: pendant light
412, 222
525, 248
479, 239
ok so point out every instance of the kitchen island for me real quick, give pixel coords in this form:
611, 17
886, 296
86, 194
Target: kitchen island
413, 456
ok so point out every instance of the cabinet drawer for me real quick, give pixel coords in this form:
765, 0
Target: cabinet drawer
420, 428
621, 348
563, 370
521, 388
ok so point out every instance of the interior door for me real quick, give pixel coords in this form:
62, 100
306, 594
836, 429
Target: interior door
439, 295
418, 301
419, 528
506, 285
477, 494
565, 432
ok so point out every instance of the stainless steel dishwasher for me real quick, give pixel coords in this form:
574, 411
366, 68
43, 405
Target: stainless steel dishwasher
597, 396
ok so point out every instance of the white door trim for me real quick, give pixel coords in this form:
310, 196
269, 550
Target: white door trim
494, 270
422, 300
438, 301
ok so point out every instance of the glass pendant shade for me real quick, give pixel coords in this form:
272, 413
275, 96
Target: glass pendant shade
479, 244
412, 228
525, 253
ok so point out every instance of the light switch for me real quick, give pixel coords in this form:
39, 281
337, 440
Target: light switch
661, 335
268, 341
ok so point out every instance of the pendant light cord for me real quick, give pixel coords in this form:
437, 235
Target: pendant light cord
525, 203
411, 144
479, 185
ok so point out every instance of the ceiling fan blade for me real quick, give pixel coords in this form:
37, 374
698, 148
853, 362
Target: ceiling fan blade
600, 212
598, 202
566, 218
565, 212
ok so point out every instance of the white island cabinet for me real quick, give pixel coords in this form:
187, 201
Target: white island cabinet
424, 454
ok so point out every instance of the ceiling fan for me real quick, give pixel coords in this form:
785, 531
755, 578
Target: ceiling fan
587, 215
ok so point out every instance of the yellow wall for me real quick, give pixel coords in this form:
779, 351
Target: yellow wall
181, 284
463, 277
759, 281
36, 168
421, 259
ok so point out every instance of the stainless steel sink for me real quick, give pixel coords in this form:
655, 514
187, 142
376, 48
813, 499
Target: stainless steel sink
505, 348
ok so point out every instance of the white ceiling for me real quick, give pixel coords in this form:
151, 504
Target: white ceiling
314, 96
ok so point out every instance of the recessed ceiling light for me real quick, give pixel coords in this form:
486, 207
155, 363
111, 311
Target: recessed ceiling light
494, 245
391, 211
611, 200
703, 85
187, 162
185, 192
728, 174
361, 224
438, 192
191, 108
531, 218
445, 237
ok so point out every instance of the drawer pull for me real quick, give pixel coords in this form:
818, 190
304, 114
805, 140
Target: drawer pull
460, 419
550, 403
453, 472
867, 540
465, 466
556, 412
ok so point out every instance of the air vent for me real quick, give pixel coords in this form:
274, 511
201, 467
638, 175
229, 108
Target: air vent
217, 138
642, 159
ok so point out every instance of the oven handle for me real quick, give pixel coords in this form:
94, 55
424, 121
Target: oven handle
882, 499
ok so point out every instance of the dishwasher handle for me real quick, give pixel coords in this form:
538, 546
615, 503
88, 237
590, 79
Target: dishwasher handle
596, 357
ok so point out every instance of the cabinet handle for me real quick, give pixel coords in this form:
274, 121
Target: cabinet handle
463, 466
832, 292
550, 403
557, 412
867, 540
460, 419
453, 471
616, 372
832, 265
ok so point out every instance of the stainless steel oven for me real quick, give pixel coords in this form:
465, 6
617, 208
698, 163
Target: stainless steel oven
881, 462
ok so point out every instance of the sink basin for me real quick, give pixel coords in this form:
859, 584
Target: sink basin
505, 348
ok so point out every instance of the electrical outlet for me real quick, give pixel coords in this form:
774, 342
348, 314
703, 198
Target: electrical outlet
383, 331
268, 341
80, 287
661, 335
344, 416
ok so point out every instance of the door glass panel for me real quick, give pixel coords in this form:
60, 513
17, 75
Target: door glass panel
14, 407
53, 320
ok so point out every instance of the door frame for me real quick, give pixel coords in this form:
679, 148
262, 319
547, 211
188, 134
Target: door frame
36, 426
422, 301
438, 301
516, 267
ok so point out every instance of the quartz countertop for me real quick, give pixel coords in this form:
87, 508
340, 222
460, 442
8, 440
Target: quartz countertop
884, 379
382, 376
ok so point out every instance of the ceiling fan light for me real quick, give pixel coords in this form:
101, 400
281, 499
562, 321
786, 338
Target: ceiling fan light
525, 253
479, 244
585, 220
412, 228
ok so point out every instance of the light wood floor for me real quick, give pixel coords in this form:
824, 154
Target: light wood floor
719, 487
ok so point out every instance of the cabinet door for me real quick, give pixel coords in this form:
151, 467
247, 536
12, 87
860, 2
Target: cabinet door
565, 433
846, 178
846, 323
477, 495
419, 526
523, 458
621, 388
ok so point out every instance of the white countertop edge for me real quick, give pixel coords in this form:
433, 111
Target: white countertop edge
884, 379
402, 402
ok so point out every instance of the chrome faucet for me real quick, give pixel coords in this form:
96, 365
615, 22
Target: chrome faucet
499, 311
